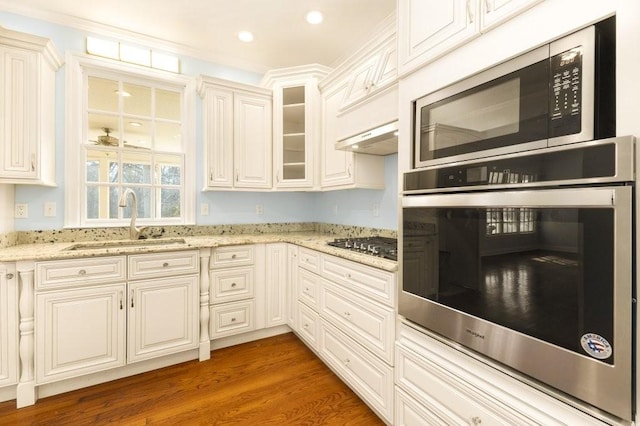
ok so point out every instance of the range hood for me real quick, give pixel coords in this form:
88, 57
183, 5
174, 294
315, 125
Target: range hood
382, 140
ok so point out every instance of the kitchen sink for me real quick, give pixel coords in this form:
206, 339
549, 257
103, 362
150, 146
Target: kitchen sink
101, 245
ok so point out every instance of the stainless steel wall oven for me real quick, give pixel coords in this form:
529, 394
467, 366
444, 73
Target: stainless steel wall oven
527, 259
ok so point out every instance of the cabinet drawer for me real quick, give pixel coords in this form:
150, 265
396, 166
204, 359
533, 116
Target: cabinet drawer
370, 324
371, 378
308, 325
231, 256
80, 272
371, 282
157, 265
228, 285
309, 259
309, 288
410, 412
232, 318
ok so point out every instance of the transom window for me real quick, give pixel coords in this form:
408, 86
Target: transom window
132, 136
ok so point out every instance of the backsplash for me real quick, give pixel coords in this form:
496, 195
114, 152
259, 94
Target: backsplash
121, 233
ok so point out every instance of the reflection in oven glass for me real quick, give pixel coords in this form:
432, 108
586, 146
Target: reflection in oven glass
544, 272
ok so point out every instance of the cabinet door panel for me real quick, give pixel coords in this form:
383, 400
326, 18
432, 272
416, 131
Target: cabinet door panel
430, 28
218, 136
163, 317
276, 284
494, 12
253, 141
79, 331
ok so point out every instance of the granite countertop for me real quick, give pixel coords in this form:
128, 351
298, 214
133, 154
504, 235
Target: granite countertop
69, 250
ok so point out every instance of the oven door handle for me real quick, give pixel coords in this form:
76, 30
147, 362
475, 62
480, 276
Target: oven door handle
570, 197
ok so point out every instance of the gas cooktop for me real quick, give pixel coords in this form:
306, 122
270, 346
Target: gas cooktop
384, 247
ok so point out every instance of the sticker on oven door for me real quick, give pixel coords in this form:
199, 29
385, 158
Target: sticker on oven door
596, 346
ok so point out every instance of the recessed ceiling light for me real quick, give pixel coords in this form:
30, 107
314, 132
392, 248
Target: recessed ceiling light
245, 36
122, 93
314, 17
135, 124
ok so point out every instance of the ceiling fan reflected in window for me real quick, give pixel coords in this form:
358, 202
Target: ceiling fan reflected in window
108, 140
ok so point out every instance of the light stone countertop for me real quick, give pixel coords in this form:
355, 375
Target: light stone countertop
66, 250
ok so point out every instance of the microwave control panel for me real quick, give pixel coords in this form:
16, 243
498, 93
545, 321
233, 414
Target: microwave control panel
566, 93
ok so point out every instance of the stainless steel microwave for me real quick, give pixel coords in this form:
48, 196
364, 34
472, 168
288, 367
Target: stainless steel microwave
559, 93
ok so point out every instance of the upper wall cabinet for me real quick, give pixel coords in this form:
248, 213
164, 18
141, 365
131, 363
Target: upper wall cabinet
237, 135
296, 125
376, 72
428, 29
27, 111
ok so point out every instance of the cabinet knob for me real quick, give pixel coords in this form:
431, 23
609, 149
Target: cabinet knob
233, 284
9, 276
82, 272
233, 256
306, 326
165, 264
476, 420
233, 320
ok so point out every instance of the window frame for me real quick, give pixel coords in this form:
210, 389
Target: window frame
79, 66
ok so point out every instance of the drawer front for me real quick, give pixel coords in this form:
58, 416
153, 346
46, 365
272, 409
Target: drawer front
232, 318
447, 397
370, 324
308, 325
309, 288
375, 283
158, 265
409, 412
371, 378
309, 260
80, 272
228, 285
232, 256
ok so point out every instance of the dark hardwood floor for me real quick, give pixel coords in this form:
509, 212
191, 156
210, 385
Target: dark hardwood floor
274, 381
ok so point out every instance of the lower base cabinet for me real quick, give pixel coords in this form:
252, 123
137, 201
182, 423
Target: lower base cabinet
436, 384
8, 325
231, 318
366, 374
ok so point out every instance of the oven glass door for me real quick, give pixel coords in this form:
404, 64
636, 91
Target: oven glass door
544, 263
509, 110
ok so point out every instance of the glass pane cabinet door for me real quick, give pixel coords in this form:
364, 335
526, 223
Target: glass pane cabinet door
293, 133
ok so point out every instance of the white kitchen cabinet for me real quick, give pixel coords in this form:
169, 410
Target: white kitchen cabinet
233, 279
374, 73
344, 169
275, 284
346, 313
91, 315
163, 317
8, 325
428, 29
27, 111
369, 376
296, 125
80, 331
292, 285
437, 384
494, 12
237, 135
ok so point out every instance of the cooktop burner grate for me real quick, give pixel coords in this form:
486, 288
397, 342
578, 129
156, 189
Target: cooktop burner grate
384, 247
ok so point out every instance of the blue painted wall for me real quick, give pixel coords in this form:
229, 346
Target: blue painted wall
353, 207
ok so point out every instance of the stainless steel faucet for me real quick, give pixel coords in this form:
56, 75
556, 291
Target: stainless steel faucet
134, 233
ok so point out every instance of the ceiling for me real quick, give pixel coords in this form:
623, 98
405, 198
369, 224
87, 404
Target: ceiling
207, 29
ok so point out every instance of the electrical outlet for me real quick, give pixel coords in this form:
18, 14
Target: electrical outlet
259, 209
21, 211
376, 210
204, 209
50, 209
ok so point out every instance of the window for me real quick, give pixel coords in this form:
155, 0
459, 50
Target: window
131, 130
510, 220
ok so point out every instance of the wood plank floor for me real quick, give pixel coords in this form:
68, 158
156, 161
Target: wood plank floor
274, 381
